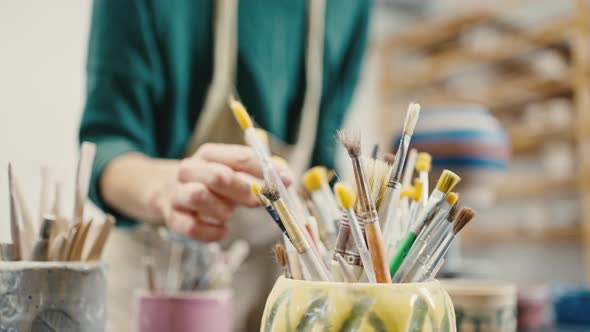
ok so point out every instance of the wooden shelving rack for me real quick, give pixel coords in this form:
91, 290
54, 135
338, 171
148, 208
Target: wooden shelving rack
442, 57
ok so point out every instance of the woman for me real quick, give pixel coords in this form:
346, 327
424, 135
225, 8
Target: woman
159, 76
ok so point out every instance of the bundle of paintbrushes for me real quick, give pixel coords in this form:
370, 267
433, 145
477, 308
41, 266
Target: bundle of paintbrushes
197, 266
53, 236
380, 229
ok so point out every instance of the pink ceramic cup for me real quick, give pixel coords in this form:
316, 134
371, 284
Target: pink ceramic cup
203, 311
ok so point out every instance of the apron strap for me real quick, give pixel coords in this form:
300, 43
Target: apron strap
225, 50
224, 71
313, 93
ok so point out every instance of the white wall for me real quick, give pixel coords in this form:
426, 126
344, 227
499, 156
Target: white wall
42, 57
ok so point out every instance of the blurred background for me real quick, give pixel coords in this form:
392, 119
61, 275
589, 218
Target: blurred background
505, 88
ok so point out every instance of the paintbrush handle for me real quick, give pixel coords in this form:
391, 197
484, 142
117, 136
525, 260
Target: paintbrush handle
275, 217
359, 241
401, 253
377, 251
317, 270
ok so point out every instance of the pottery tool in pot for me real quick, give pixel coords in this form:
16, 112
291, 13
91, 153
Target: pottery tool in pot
346, 199
425, 267
446, 183
428, 236
423, 166
367, 209
309, 259
391, 199
315, 181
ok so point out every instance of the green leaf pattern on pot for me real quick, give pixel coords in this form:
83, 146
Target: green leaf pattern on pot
357, 314
315, 312
376, 322
275, 309
419, 311
445, 325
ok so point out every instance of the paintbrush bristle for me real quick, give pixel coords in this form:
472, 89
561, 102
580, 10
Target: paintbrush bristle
255, 188
314, 178
270, 191
423, 162
240, 113
351, 142
344, 195
389, 158
452, 198
280, 254
464, 217
412, 115
378, 173
447, 181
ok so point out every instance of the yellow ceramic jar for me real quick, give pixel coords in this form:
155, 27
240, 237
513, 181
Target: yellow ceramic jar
298, 305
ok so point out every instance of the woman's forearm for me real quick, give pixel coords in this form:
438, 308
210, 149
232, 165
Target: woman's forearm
139, 186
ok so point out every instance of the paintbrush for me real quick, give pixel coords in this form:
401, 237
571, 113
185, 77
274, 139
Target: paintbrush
388, 209
312, 263
262, 137
423, 165
255, 187
97, 247
346, 199
445, 184
281, 257
367, 210
14, 224
406, 183
315, 181
425, 269
423, 240
399, 228
41, 247
409, 168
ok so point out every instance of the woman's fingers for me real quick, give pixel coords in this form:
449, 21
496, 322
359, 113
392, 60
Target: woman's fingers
240, 158
196, 197
189, 224
219, 179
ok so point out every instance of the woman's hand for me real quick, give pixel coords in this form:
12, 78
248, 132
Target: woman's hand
210, 185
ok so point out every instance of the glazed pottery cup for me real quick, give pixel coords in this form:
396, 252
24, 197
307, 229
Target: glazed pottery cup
202, 311
52, 296
298, 305
482, 305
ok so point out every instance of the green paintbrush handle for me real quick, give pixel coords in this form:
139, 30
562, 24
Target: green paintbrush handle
401, 254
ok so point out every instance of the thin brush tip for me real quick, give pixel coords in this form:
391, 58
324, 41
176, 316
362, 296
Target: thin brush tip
351, 142
280, 254
464, 217
270, 191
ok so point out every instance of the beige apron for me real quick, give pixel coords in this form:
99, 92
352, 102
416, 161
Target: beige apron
217, 124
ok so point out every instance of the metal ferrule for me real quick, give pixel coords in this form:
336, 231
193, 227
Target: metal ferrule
400, 159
